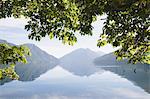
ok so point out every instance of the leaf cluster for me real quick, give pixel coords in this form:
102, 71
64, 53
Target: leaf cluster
9, 56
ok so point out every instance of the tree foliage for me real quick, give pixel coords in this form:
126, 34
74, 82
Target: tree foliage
9, 56
127, 24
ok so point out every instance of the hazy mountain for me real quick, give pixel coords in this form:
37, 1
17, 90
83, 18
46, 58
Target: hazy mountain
4, 41
100, 53
80, 62
39, 63
110, 60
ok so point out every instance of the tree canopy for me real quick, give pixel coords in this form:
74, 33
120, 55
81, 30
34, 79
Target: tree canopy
9, 55
127, 25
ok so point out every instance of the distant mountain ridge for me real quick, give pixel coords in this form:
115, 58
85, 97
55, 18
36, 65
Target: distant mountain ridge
38, 63
82, 51
110, 60
80, 62
4, 41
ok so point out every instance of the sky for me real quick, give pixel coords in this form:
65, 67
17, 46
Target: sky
13, 31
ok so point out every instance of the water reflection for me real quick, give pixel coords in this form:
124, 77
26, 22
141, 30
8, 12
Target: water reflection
29, 72
138, 74
59, 83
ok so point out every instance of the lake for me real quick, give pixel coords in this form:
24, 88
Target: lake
111, 82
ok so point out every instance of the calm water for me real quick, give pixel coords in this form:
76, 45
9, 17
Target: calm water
105, 83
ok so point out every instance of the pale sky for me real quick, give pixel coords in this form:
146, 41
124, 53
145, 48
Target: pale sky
13, 31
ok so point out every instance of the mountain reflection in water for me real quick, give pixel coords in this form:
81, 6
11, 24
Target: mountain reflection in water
122, 82
138, 75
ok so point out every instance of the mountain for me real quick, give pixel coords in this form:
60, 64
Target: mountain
110, 60
79, 62
4, 41
100, 53
38, 63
